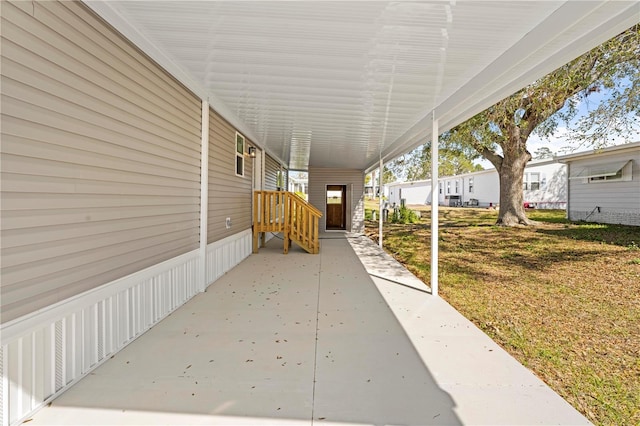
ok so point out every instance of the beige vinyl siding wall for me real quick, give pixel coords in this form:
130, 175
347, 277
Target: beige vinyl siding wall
100, 157
319, 178
229, 195
271, 169
285, 171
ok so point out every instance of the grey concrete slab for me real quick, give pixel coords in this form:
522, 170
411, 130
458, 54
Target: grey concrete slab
367, 371
313, 339
487, 385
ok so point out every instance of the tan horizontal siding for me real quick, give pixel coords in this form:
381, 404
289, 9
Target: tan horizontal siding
110, 143
229, 195
33, 183
72, 281
153, 225
54, 161
100, 157
113, 59
271, 168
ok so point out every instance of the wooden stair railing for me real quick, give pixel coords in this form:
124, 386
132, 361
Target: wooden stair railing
288, 213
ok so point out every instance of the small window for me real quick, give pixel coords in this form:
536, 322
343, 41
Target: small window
280, 180
617, 176
440, 187
457, 187
239, 154
471, 185
534, 181
619, 171
334, 197
448, 187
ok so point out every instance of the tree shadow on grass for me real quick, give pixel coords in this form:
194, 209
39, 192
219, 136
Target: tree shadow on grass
529, 261
620, 235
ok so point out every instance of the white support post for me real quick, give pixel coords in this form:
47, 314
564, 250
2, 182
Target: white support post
373, 182
380, 218
382, 140
204, 196
4, 356
434, 207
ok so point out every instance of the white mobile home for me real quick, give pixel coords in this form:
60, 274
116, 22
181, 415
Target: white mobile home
137, 135
544, 188
415, 192
604, 185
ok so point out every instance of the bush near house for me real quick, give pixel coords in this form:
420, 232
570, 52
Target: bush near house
404, 215
563, 298
368, 214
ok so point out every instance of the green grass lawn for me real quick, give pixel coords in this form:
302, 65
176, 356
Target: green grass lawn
563, 298
371, 203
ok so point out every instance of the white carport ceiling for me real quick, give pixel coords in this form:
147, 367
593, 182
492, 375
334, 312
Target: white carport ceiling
337, 83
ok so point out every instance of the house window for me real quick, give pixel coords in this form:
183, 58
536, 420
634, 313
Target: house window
457, 187
534, 181
617, 176
440, 187
239, 154
470, 185
280, 180
448, 187
618, 171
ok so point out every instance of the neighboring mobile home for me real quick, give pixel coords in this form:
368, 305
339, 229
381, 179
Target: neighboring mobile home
544, 188
604, 185
134, 133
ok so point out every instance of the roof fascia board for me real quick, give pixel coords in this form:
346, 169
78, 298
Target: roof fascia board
611, 150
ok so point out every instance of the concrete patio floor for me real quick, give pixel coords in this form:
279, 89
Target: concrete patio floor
344, 337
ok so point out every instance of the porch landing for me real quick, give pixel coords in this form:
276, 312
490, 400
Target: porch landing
305, 339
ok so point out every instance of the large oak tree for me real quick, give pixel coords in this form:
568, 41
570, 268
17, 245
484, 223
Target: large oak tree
500, 133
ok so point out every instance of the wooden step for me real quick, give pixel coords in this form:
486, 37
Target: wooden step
288, 213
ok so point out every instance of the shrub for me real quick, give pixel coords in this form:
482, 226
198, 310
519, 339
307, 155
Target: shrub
368, 214
404, 215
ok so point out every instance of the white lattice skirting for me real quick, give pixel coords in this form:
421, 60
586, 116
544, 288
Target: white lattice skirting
45, 352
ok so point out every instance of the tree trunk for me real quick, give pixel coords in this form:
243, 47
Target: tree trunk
511, 173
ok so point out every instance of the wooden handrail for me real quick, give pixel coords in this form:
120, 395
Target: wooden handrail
302, 200
286, 212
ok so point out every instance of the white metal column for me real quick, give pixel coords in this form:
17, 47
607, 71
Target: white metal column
380, 217
382, 140
204, 196
434, 207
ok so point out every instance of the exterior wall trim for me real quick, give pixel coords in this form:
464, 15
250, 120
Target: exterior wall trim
17, 328
225, 254
46, 352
